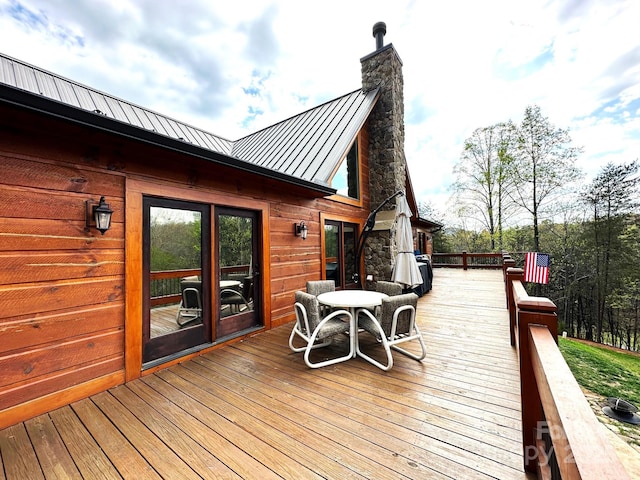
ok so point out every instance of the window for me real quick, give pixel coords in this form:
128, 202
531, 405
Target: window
346, 180
340, 246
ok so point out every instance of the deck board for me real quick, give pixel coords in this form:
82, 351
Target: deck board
87, 455
51, 451
254, 410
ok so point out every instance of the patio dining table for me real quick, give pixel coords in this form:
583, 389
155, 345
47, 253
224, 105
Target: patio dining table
352, 300
229, 283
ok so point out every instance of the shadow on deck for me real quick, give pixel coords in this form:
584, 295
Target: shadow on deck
254, 410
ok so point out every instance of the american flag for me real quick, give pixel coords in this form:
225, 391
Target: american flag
536, 267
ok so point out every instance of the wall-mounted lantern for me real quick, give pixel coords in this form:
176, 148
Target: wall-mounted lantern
100, 214
301, 230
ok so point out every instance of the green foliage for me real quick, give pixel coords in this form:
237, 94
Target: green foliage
235, 237
331, 240
518, 239
442, 242
175, 245
603, 371
482, 180
544, 168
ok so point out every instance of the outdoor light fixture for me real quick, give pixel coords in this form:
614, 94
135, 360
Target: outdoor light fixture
101, 215
301, 230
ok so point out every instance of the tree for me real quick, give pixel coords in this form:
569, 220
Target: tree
611, 195
543, 167
482, 176
175, 244
627, 297
428, 211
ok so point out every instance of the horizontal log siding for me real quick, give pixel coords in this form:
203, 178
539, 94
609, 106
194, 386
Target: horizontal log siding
295, 261
62, 290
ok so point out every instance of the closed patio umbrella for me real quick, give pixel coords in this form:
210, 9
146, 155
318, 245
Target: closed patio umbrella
406, 270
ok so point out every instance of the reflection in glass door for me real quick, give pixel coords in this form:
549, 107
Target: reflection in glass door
176, 239
238, 271
340, 240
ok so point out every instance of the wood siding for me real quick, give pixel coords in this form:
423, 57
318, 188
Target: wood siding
70, 314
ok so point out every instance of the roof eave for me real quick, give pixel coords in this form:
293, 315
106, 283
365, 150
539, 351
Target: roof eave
24, 99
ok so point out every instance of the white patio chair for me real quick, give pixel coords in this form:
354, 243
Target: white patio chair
394, 323
317, 331
390, 288
316, 287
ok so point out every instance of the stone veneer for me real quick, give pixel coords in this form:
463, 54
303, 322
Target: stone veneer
387, 162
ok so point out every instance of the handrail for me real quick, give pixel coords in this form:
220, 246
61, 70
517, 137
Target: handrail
561, 435
467, 260
164, 274
172, 276
580, 448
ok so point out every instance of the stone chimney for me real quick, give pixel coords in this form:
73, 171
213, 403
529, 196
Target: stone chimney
383, 69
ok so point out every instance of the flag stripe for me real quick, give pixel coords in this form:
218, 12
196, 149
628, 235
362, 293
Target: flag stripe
536, 267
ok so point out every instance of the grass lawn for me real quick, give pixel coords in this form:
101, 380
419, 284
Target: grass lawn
603, 371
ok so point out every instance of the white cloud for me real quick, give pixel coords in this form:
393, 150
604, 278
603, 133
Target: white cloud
235, 67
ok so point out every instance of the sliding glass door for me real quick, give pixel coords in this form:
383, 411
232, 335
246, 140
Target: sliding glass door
201, 281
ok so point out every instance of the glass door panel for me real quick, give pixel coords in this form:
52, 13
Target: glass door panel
238, 271
340, 246
350, 241
332, 252
177, 280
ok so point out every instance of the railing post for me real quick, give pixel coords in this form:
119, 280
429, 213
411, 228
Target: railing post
507, 262
513, 274
464, 260
531, 311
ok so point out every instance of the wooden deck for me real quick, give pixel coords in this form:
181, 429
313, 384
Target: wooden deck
254, 410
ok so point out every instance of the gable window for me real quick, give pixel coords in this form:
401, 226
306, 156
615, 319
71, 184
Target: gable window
346, 180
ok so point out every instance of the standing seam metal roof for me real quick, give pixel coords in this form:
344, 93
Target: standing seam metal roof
308, 146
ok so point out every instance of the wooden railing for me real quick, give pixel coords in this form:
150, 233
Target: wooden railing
561, 436
466, 260
165, 284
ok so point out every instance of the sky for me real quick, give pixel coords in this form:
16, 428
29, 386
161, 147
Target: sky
234, 67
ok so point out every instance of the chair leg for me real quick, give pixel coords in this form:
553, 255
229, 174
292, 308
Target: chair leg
373, 361
312, 345
412, 355
417, 336
331, 361
295, 332
385, 345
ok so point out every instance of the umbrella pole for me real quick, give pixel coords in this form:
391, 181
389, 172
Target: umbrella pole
368, 227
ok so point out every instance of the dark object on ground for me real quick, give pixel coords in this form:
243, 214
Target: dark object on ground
621, 410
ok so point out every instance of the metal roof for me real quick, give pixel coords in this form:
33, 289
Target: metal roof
304, 149
310, 145
37, 81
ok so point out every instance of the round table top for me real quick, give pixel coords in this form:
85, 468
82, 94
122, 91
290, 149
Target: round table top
229, 283
352, 298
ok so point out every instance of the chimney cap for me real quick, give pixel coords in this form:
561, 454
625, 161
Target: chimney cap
379, 27
379, 31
